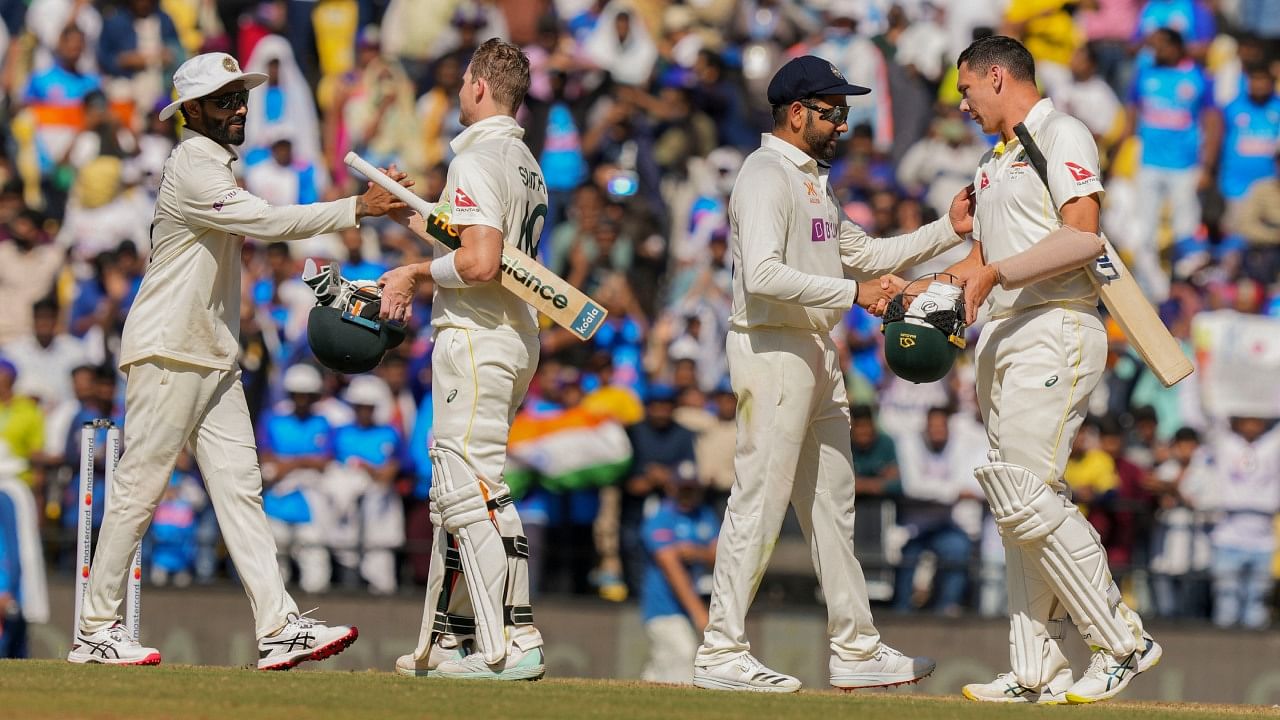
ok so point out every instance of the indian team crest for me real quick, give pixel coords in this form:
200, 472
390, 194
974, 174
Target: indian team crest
836, 71
229, 64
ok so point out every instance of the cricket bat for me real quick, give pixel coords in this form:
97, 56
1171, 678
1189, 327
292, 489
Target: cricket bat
522, 276
1122, 296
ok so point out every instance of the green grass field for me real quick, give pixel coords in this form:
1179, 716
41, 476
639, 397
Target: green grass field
37, 689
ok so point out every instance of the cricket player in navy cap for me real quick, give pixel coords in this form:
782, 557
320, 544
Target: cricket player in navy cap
799, 265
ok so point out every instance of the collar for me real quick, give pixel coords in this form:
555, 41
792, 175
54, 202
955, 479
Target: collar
490, 127
801, 158
1034, 119
206, 145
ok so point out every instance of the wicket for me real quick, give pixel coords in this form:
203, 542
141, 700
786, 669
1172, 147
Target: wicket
84, 524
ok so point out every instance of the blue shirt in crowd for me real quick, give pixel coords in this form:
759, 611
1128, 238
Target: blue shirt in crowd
1170, 101
375, 444
10, 562
1249, 144
670, 526
291, 436
1192, 19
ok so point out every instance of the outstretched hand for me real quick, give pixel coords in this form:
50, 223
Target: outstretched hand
377, 200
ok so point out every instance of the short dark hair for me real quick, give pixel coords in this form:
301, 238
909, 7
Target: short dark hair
506, 68
1000, 50
861, 412
1185, 434
45, 305
1173, 36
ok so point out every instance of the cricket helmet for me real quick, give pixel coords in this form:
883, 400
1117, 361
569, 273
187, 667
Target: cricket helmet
347, 335
924, 329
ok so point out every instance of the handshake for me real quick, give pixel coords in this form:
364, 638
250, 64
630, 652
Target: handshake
874, 295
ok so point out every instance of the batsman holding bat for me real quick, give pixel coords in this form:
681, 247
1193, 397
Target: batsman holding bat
486, 349
799, 265
1038, 360
179, 351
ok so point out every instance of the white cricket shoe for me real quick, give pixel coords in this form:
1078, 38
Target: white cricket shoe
113, 646
448, 647
886, 668
1005, 689
1109, 674
744, 672
302, 639
518, 664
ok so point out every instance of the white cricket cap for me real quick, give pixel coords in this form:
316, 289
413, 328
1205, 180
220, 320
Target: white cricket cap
204, 75
367, 390
303, 378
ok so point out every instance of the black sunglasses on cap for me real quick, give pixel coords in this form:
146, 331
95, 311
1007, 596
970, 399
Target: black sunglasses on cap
231, 100
835, 114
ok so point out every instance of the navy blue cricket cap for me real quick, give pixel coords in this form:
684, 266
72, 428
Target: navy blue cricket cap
809, 76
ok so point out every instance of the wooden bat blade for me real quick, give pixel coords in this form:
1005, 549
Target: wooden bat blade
522, 276
1139, 320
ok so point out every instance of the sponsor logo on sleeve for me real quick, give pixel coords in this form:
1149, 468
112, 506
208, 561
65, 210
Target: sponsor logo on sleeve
1080, 174
462, 200
222, 201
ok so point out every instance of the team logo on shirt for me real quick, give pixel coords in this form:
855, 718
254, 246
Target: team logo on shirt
1080, 174
462, 200
984, 181
812, 191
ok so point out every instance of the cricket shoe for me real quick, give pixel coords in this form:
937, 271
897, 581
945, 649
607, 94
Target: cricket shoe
301, 639
1109, 674
886, 668
448, 647
744, 672
518, 664
113, 646
1005, 689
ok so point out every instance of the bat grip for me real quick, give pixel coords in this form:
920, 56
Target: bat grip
364, 167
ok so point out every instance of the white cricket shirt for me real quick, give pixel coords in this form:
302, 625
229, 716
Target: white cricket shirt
1014, 210
188, 308
796, 255
493, 181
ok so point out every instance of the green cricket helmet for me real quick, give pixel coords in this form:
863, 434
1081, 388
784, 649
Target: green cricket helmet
924, 331
343, 329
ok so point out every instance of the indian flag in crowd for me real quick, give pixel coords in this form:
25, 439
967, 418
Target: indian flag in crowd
564, 450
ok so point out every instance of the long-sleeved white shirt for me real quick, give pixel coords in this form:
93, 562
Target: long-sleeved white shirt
188, 308
796, 256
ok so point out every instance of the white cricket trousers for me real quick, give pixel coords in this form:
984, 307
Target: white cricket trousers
792, 447
168, 405
1036, 371
478, 380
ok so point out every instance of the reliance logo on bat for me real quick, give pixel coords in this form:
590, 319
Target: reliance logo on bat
529, 279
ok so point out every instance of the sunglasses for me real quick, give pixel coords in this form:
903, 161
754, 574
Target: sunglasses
836, 114
231, 100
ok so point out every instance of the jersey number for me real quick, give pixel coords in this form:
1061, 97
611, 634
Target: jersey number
531, 228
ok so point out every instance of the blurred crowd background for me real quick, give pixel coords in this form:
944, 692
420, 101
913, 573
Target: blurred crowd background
640, 114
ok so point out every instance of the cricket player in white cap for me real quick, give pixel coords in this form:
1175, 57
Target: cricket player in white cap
486, 349
1038, 360
799, 265
179, 351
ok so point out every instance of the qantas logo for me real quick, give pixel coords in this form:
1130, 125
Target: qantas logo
984, 182
1080, 174
462, 200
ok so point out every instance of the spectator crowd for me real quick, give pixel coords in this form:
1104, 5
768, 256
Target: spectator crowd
640, 114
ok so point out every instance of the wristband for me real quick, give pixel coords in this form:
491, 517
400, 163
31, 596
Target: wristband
444, 272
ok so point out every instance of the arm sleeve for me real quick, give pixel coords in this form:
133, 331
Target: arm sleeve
210, 198
865, 257
761, 213
658, 532
1072, 157
477, 196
